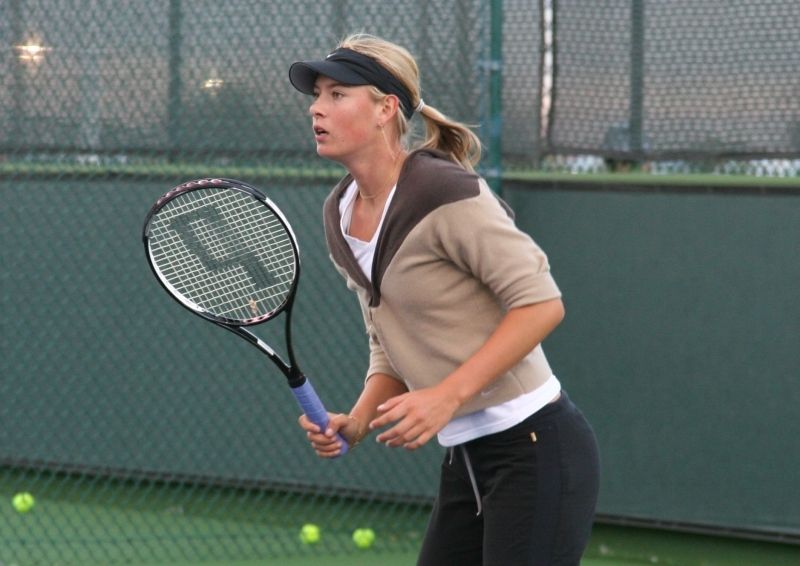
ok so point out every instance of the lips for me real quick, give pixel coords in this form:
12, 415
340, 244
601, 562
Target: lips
319, 132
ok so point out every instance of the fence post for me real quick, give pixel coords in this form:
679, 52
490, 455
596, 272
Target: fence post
174, 87
637, 79
494, 163
14, 140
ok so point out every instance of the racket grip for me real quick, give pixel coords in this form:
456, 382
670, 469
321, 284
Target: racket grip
312, 406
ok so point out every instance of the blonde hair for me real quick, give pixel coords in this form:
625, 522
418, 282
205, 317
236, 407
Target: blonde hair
441, 133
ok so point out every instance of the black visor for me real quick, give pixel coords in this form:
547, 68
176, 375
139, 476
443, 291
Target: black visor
349, 67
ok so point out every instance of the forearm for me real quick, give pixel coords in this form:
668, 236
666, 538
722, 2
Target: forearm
519, 332
377, 389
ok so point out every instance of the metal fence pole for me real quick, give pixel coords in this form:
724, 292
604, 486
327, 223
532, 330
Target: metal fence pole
637, 77
174, 87
494, 161
18, 78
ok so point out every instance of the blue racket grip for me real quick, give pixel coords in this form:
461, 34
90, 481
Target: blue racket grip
312, 406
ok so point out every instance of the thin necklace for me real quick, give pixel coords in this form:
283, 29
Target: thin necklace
380, 194
371, 197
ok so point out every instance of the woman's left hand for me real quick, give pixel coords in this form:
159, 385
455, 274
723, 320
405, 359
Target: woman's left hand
418, 416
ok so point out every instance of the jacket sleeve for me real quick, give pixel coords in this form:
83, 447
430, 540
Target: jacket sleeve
480, 237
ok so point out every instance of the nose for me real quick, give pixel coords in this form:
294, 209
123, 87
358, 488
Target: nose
314, 108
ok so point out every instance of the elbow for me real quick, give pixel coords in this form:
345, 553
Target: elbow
559, 311
546, 315
543, 316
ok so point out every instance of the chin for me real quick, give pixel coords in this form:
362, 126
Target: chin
326, 152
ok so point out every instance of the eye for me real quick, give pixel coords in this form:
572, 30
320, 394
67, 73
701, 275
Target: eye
336, 94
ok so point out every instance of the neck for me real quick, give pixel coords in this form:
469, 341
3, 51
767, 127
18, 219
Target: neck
376, 177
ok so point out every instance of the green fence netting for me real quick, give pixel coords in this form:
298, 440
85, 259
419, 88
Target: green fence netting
205, 80
678, 79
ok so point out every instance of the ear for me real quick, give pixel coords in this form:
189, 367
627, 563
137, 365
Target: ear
389, 108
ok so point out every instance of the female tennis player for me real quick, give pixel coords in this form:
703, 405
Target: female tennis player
456, 302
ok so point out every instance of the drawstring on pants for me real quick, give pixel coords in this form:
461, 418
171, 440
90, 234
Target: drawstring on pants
471, 473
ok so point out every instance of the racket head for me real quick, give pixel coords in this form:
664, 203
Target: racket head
223, 250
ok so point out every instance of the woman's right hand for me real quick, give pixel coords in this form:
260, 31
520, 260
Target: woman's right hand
325, 443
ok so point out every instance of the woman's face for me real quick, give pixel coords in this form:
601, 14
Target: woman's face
345, 120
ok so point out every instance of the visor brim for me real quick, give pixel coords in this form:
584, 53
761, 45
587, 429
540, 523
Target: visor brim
303, 74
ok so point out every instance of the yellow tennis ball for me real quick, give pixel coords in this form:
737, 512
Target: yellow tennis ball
23, 502
363, 537
310, 533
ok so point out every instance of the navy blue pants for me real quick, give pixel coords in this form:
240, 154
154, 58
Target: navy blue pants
537, 483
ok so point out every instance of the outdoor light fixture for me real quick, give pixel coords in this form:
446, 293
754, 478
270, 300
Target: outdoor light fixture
31, 52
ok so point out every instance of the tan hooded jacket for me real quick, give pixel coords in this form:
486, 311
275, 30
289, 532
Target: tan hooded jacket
449, 263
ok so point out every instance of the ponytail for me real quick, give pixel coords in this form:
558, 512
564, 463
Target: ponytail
453, 138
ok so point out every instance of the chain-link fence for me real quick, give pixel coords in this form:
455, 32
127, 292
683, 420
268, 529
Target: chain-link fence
635, 81
206, 81
201, 80
148, 435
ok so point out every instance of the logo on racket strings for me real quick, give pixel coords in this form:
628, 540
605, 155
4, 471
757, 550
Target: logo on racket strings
218, 247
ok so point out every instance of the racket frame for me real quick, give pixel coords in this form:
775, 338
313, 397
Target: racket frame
237, 326
301, 387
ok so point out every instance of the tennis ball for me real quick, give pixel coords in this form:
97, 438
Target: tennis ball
363, 537
310, 534
23, 502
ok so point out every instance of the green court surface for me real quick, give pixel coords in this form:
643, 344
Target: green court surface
78, 521
612, 546
620, 546
86, 520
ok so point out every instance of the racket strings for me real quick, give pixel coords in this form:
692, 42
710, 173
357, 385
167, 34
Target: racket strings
224, 251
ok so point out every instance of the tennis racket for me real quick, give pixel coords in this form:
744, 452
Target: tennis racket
224, 251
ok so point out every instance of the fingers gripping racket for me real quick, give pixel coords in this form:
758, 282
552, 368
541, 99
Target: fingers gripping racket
225, 252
